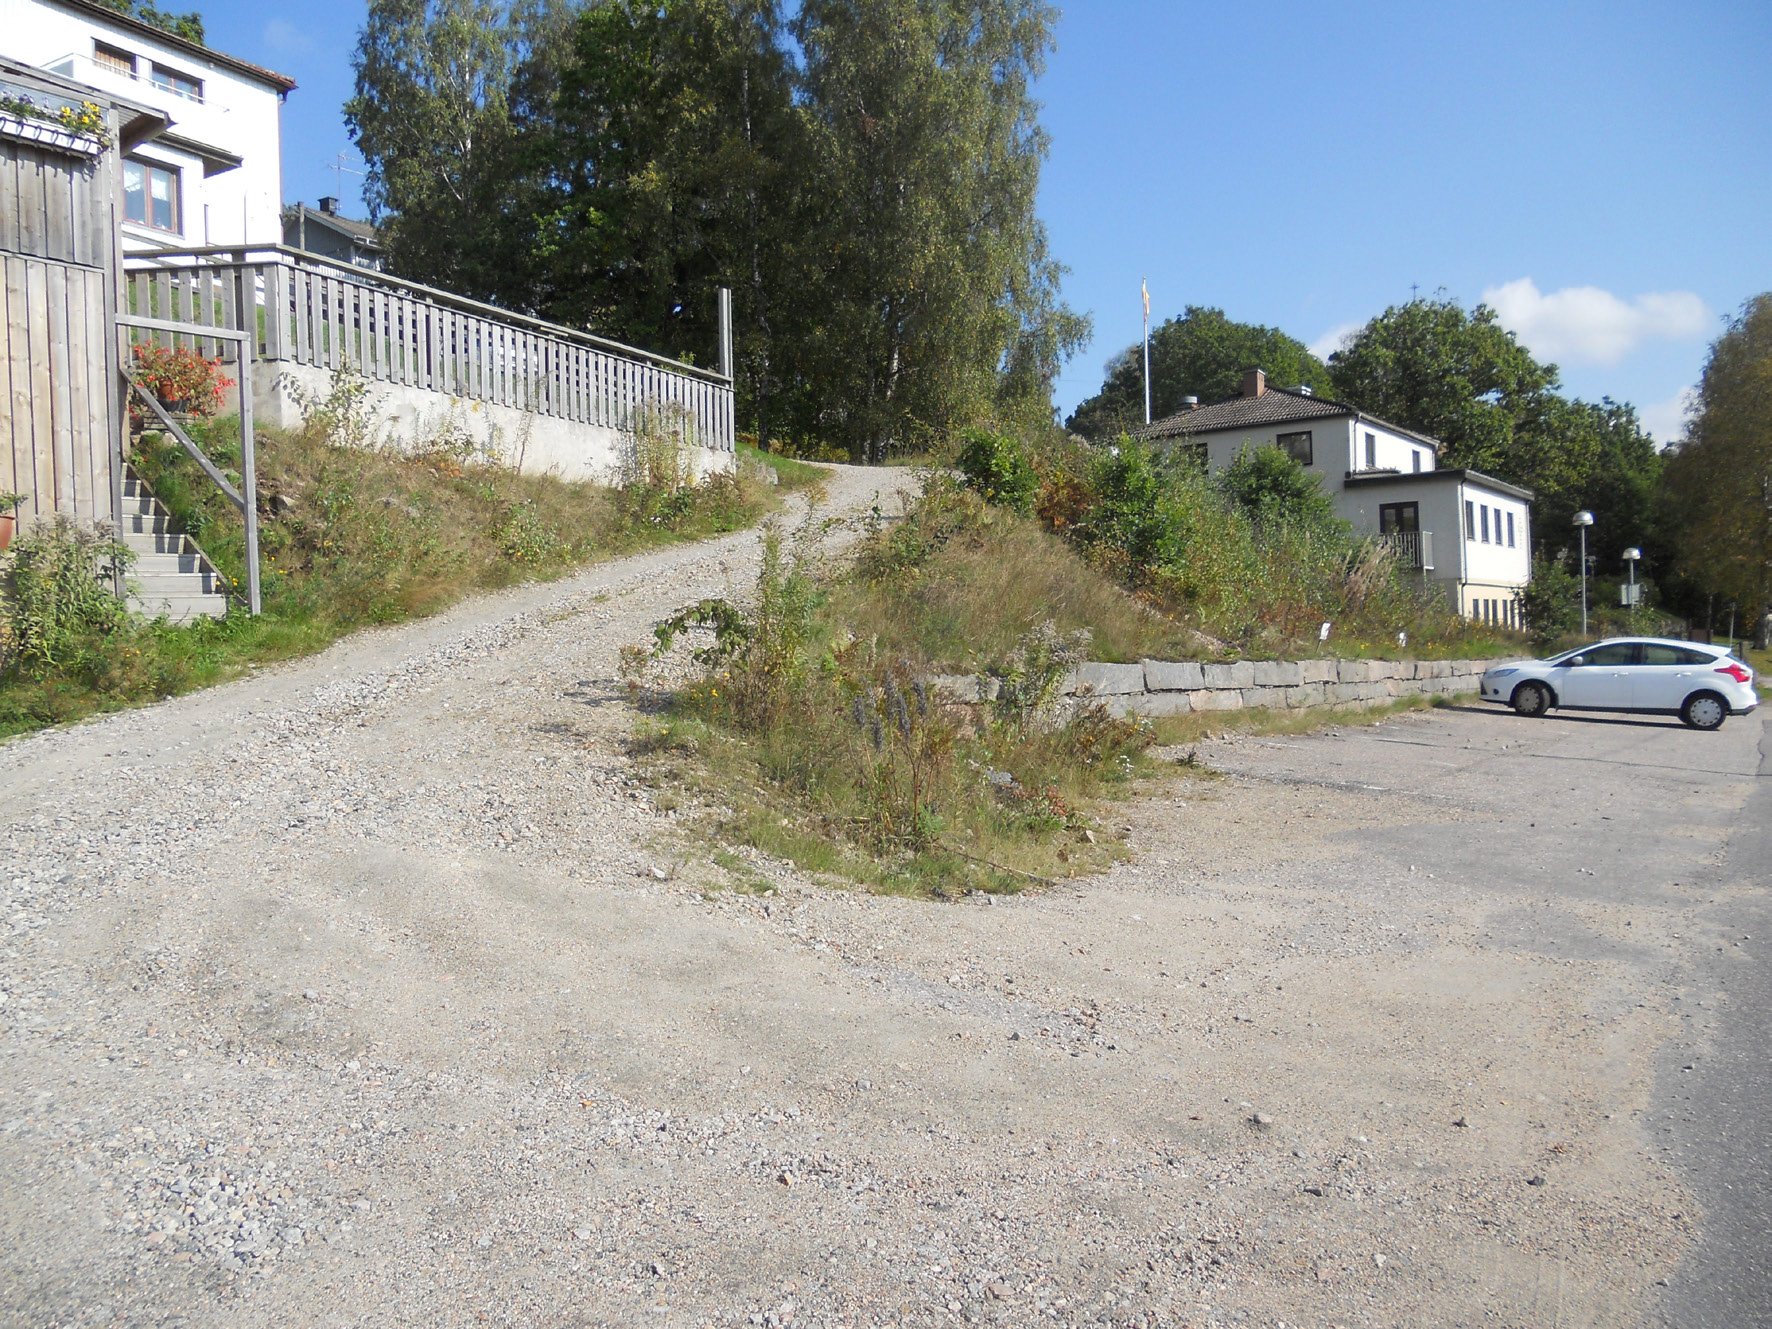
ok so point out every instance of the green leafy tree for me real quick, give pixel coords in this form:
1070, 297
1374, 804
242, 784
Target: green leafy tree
928, 267
1462, 378
1201, 354
1719, 480
1272, 488
669, 145
431, 116
188, 25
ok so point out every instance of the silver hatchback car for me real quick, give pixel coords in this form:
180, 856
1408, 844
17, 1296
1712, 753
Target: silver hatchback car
1703, 685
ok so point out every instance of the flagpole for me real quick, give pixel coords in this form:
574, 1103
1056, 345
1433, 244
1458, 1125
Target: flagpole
1145, 289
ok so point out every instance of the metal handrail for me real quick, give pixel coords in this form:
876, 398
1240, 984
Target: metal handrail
232, 254
246, 496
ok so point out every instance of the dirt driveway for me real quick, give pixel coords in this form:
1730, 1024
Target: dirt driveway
373, 991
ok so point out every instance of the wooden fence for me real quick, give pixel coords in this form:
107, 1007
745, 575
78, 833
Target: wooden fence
313, 311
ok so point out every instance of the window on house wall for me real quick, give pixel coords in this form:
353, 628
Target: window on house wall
1372, 452
1398, 517
1415, 459
1510, 530
183, 84
1296, 446
1483, 519
114, 59
151, 195
1470, 520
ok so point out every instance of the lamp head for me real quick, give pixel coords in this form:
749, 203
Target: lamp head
1632, 554
1584, 518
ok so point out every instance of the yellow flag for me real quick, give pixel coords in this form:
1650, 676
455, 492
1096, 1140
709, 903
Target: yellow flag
1147, 299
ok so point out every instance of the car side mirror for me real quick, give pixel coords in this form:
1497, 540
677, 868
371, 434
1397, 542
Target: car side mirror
1576, 660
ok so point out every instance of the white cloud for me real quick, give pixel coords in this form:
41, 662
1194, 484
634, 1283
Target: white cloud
1666, 420
284, 37
1586, 325
1330, 342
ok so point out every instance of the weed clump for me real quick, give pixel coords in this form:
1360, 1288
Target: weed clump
862, 766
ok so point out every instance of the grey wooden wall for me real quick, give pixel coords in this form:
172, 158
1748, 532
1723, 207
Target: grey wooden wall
59, 432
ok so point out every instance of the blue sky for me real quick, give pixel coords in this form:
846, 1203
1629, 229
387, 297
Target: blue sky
1601, 171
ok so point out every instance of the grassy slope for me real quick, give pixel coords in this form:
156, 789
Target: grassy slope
352, 537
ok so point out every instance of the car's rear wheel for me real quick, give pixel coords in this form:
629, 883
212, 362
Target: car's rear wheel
1531, 699
1705, 710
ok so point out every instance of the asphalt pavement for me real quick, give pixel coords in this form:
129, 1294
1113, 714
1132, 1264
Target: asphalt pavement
1602, 811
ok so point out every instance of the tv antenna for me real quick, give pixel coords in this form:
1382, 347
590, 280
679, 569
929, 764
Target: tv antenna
340, 170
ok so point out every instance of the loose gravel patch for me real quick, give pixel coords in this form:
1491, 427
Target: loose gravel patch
377, 990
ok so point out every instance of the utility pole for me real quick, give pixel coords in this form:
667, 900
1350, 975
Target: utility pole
1145, 290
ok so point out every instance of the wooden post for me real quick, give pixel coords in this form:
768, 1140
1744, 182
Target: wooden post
725, 304
247, 353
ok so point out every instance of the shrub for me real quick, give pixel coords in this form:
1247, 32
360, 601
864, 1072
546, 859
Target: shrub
1272, 488
998, 469
1550, 604
59, 603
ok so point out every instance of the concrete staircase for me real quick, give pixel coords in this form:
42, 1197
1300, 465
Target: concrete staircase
172, 577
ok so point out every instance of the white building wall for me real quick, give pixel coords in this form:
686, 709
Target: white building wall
1329, 446
1494, 560
407, 416
238, 115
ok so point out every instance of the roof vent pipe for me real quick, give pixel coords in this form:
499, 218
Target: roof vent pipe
1192, 403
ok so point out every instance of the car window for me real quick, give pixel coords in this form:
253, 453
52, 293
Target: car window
1618, 653
1656, 654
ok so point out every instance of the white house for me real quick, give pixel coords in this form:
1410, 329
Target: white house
1466, 531
215, 176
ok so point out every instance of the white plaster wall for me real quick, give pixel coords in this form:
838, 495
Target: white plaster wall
1394, 451
1329, 446
534, 444
1495, 563
238, 115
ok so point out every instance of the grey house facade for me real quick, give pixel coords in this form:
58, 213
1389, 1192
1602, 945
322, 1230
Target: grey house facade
327, 232
1461, 530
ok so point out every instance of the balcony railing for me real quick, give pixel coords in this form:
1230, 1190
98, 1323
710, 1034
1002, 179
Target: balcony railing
1414, 549
310, 310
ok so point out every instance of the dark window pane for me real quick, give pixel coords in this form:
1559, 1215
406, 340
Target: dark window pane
1619, 653
1296, 446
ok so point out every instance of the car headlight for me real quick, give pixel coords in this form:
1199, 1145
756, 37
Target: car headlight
1502, 673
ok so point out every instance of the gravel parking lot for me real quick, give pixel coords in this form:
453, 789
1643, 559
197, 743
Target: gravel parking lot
375, 991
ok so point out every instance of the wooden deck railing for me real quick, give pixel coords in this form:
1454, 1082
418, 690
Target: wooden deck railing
311, 310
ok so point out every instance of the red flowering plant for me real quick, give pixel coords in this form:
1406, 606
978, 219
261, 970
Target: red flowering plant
180, 378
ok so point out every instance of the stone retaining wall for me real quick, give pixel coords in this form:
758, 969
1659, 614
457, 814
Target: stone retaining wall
1176, 687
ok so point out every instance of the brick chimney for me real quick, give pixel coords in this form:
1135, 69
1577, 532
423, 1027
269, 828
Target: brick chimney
1254, 382
329, 205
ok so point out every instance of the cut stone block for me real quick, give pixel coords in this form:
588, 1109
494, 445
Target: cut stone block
1237, 674
1173, 676
1110, 680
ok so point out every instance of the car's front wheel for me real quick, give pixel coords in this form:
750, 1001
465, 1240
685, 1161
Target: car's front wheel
1705, 710
1531, 699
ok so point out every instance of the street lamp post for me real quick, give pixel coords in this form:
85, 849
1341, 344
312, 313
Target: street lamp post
1583, 520
1631, 556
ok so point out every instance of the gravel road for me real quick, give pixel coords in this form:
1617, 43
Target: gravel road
374, 990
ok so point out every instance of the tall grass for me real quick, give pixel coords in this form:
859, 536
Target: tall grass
349, 536
1252, 561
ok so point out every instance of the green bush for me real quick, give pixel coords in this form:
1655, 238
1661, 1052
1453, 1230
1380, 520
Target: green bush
998, 468
1273, 489
59, 602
